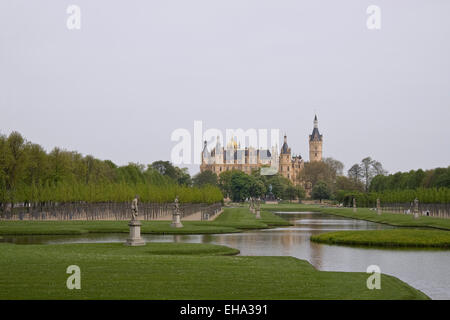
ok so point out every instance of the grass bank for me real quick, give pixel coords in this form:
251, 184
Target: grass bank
176, 271
394, 219
388, 238
230, 221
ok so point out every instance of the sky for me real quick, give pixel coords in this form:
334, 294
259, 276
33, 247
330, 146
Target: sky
135, 71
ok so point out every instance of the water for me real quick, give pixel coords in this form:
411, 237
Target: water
425, 269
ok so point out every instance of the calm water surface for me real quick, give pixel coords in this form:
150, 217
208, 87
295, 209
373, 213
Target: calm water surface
426, 270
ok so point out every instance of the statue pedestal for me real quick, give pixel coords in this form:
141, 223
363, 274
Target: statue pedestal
258, 214
135, 234
176, 221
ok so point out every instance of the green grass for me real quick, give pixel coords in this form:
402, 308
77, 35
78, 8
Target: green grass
176, 271
390, 238
230, 221
394, 219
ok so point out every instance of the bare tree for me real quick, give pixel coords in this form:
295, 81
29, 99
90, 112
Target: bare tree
337, 166
355, 173
370, 168
378, 168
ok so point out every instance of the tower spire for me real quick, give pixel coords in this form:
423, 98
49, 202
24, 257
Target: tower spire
315, 143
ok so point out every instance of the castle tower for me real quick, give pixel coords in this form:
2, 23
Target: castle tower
315, 143
285, 159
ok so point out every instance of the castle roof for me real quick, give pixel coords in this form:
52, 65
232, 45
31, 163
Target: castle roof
285, 148
315, 136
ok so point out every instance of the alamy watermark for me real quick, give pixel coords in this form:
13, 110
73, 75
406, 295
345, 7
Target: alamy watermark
193, 146
74, 19
374, 280
374, 19
74, 280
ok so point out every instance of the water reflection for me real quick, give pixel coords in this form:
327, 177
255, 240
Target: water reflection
424, 269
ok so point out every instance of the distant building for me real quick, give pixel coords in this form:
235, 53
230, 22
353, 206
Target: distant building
233, 157
315, 143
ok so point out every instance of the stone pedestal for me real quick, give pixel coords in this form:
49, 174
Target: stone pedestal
176, 221
354, 205
258, 214
135, 234
378, 207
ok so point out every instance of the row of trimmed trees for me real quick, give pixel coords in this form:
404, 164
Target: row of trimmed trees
29, 174
424, 195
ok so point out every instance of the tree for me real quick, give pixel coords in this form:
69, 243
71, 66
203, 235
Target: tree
378, 168
370, 168
183, 176
366, 165
300, 192
336, 165
318, 171
165, 168
366, 171
291, 192
355, 173
225, 183
204, 178
14, 164
279, 185
321, 191
240, 186
36, 167
347, 184
257, 187
4, 158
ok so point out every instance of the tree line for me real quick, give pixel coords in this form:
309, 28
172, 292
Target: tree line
30, 174
424, 195
368, 181
239, 186
414, 179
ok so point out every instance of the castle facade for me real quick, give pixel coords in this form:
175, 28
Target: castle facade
233, 157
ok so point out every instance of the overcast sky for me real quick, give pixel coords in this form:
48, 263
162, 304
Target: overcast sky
137, 70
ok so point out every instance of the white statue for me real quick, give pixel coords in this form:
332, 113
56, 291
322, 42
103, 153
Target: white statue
134, 208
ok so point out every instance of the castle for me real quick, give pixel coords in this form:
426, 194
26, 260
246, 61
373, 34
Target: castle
233, 157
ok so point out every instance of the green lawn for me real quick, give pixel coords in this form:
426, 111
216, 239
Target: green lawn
176, 271
231, 220
394, 219
392, 237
